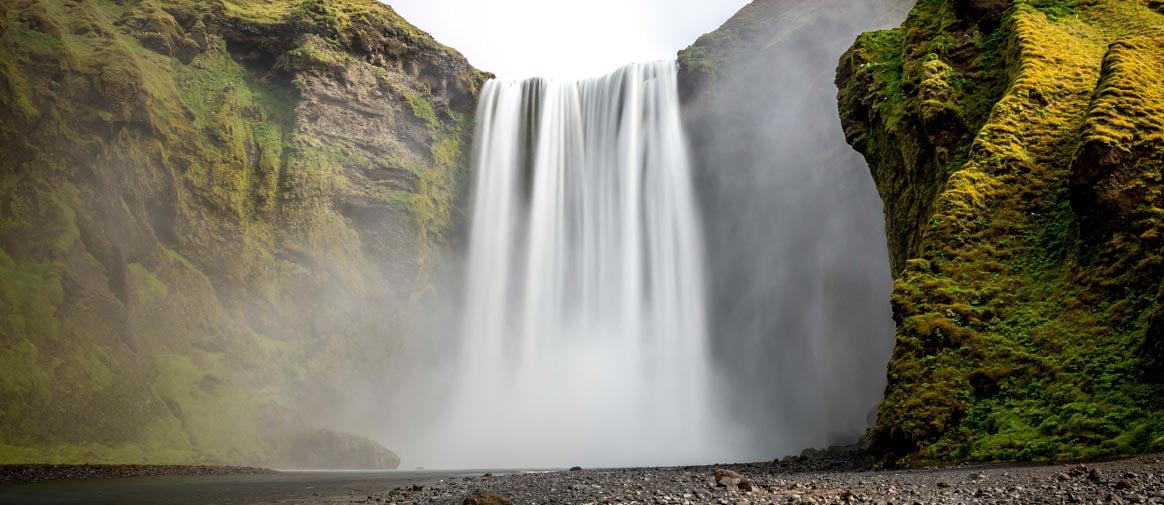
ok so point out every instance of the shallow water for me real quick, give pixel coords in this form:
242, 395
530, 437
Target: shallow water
218, 490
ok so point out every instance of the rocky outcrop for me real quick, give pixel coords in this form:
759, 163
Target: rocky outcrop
1019, 173
211, 215
328, 450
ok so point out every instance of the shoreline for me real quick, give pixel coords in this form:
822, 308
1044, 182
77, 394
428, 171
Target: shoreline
33, 473
827, 480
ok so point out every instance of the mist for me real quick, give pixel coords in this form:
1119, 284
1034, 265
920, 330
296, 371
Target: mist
799, 327
795, 231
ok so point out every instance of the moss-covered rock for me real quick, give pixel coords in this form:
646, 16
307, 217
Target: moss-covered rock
1021, 225
209, 210
328, 449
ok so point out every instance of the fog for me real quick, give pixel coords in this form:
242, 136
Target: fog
797, 268
797, 251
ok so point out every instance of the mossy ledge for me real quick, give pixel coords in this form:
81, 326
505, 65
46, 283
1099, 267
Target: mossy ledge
212, 213
1017, 147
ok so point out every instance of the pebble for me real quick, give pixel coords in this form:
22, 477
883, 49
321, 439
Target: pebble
798, 482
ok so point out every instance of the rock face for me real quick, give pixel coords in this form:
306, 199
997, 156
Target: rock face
328, 450
793, 223
211, 215
1020, 163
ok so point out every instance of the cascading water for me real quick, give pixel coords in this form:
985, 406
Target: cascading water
584, 334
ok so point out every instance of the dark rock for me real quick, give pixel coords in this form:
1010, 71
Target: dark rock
576, 469
1095, 475
987, 13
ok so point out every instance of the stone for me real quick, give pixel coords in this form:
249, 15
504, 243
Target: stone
729, 478
480, 497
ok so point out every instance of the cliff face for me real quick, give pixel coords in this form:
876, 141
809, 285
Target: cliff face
1019, 150
211, 214
795, 241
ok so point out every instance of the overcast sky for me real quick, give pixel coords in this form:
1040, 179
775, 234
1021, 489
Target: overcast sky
554, 38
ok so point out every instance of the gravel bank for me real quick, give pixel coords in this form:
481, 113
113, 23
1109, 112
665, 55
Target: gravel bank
1132, 481
23, 474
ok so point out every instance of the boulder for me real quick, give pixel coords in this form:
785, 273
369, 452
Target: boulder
480, 497
729, 478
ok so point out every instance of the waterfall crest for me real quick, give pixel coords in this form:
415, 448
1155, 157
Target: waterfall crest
584, 337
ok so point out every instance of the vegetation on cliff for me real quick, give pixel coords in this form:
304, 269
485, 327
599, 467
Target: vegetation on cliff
210, 213
1019, 149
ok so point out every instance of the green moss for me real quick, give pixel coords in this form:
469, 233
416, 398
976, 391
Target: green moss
697, 65
216, 414
422, 109
30, 294
1055, 9
22, 375
1012, 344
161, 202
315, 52
884, 51
144, 286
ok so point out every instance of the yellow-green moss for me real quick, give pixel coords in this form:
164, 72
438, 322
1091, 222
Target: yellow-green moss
1011, 345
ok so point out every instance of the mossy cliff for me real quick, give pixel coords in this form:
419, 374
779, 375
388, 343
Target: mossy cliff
211, 214
1019, 150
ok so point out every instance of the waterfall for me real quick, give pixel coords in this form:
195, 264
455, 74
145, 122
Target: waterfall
584, 336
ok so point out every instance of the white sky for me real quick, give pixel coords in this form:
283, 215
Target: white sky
573, 39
